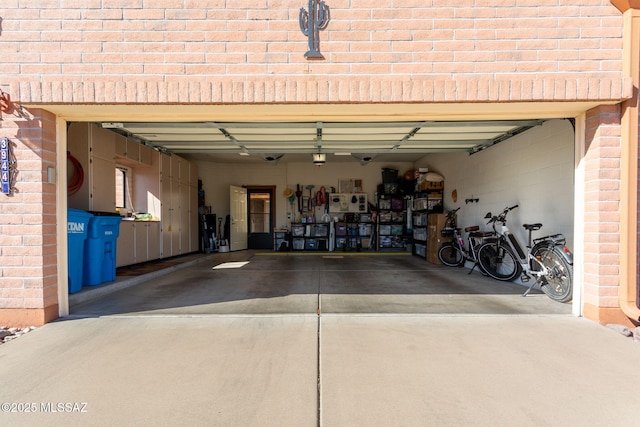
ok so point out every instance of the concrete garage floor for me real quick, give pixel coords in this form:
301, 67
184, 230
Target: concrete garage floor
319, 341
275, 283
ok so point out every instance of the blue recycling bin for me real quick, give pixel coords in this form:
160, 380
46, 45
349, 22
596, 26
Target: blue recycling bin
77, 229
100, 248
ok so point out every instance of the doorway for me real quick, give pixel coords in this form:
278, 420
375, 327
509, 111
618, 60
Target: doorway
237, 230
261, 205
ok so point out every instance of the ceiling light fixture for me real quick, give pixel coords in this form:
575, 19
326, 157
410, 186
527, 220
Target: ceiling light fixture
272, 158
319, 159
364, 158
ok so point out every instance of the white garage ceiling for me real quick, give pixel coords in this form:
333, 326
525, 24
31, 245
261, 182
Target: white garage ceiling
338, 141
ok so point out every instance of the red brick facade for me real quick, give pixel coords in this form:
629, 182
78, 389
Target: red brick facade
206, 41
28, 279
198, 52
602, 207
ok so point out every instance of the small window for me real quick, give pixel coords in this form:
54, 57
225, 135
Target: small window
121, 188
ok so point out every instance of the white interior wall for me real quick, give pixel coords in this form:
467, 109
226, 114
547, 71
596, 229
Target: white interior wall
534, 170
217, 177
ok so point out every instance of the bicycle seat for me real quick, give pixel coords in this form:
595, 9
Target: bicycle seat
472, 228
532, 227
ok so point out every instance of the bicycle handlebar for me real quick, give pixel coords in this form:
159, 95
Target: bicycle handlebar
503, 216
451, 212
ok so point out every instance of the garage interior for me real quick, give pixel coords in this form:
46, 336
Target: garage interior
497, 162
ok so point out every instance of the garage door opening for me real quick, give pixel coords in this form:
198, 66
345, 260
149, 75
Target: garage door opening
501, 163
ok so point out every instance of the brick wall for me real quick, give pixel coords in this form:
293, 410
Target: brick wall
28, 261
217, 51
209, 40
602, 207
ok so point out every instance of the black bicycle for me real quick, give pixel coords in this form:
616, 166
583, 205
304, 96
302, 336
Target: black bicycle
454, 253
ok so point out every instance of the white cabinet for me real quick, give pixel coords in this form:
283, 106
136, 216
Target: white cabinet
179, 207
102, 142
103, 186
185, 234
147, 241
193, 177
141, 242
193, 218
167, 228
121, 146
138, 242
125, 245
145, 154
153, 240
131, 153
102, 193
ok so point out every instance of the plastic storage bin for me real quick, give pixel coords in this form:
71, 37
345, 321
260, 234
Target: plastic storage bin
100, 249
389, 175
77, 230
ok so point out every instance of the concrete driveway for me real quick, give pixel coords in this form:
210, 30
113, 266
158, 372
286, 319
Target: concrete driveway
307, 340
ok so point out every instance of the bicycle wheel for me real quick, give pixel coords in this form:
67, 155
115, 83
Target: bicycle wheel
450, 255
558, 284
499, 262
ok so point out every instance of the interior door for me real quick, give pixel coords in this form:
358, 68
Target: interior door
238, 218
261, 214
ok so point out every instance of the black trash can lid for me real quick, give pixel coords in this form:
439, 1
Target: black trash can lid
98, 213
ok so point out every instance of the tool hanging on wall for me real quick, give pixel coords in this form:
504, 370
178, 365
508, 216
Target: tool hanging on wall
321, 200
291, 200
310, 203
299, 196
288, 194
76, 181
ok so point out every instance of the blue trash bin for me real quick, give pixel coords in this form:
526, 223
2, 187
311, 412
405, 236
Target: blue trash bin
100, 249
77, 230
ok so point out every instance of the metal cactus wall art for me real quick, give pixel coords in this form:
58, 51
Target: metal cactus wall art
311, 22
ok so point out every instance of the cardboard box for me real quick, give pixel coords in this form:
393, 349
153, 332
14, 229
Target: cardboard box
431, 185
435, 224
432, 252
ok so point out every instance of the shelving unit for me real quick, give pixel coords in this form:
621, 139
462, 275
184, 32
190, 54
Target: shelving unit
392, 215
310, 237
355, 233
425, 204
419, 222
281, 240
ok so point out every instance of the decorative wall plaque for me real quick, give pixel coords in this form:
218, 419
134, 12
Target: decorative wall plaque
313, 20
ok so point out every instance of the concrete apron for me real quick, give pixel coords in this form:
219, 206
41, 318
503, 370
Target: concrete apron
313, 341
